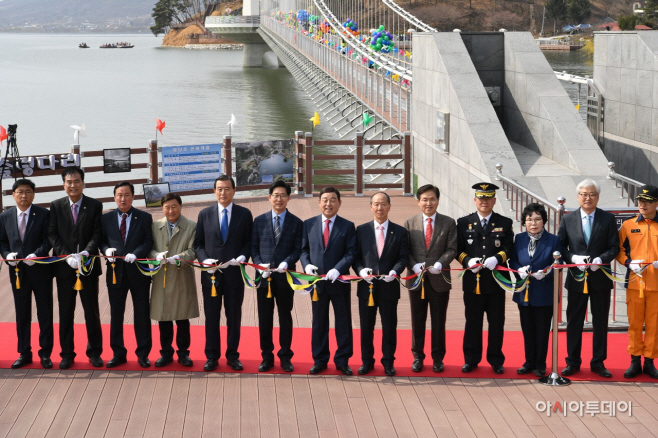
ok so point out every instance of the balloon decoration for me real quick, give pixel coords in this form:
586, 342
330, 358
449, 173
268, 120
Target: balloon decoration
381, 41
351, 27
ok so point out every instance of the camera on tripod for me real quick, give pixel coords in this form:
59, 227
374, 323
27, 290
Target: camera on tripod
11, 130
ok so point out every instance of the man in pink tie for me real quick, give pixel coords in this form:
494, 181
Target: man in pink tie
382, 250
433, 245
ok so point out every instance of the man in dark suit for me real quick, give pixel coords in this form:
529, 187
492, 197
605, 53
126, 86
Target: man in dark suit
223, 234
75, 229
589, 237
382, 249
485, 240
276, 242
433, 245
24, 235
127, 234
328, 247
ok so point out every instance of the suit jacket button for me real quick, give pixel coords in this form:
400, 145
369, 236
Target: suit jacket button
484, 247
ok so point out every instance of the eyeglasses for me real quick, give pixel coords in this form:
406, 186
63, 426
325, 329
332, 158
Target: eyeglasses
24, 192
588, 195
536, 221
278, 196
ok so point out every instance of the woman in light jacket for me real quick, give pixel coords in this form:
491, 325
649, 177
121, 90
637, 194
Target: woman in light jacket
174, 295
533, 252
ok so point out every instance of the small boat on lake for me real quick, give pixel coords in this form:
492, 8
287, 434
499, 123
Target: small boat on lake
117, 46
83, 46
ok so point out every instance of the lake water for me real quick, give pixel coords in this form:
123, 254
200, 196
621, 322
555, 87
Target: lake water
48, 84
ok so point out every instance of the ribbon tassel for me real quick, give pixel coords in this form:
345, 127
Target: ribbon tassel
315, 294
641, 288
371, 300
422, 290
164, 277
18, 281
477, 287
78, 282
527, 288
213, 293
114, 275
585, 291
269, 287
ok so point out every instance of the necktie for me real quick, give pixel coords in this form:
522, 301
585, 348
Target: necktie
74, 210
277, 230
122, 228
428, 233
326, 232
484, 223
224, 227
380, 240
22, 225
587, 232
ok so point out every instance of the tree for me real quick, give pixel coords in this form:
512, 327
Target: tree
503, 19
627, 22
170, 12
557, 10
579, 10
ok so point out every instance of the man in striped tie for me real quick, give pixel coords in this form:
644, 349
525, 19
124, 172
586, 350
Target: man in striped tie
382, 250
276, 242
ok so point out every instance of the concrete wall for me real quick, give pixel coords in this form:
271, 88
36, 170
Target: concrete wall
445, 79
626, 73
538, 113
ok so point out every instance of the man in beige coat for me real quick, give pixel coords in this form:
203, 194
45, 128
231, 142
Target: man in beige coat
174, 295
433, 245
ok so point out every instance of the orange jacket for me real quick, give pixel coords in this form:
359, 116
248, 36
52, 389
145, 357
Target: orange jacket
638, 240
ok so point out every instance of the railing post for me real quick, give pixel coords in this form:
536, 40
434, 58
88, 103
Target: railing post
153, 161
299, 161
406, 148
358, 144
228, 163
308, 161
611, 170
560, 212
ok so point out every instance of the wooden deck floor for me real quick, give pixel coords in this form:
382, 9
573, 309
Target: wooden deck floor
134, 404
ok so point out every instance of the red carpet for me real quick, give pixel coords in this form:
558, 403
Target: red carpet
618, 358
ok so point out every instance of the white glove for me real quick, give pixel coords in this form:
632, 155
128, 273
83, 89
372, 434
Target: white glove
160, 256
332, 275
12, 256
311, 270
635, 266
523, 272
171, 260
436, 269
109, 253
473, 262
282, 267
73, 262
491, 263
236, 262
655, 264
84, 253
418, 267
30, 262
595, 264
364, 273
390, 277
130, 258
538, 275
579, 260
265, 273
208, 262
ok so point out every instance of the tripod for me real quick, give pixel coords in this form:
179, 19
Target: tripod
11, 152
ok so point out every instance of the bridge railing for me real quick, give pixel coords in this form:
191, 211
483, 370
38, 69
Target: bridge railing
232, 19
629, 187
386, 94
305, 157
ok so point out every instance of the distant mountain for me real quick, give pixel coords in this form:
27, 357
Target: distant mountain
15, 13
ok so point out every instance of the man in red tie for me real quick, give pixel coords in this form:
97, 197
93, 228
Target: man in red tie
433, 245
328, 247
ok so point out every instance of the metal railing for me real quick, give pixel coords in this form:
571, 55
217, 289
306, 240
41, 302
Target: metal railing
629, 187
232, 19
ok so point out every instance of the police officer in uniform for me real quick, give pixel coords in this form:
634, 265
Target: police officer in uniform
485, 240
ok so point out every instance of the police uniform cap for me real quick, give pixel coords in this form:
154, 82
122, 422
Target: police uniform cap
485, 190
648, 193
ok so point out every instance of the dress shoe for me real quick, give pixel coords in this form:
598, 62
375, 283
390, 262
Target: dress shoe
265, 366
21, 361
317, 368
163, 360
114, 362
365, 369
570, 370
144, 362
287, 366
467, 368
650, 368
96, 361
46, 362
211, 364
540, 372
345, 370
602, 371
235, 364
65, 364
185, 361
498, 369
389, 370
438, 367
417, 366
635, 368
523, 370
